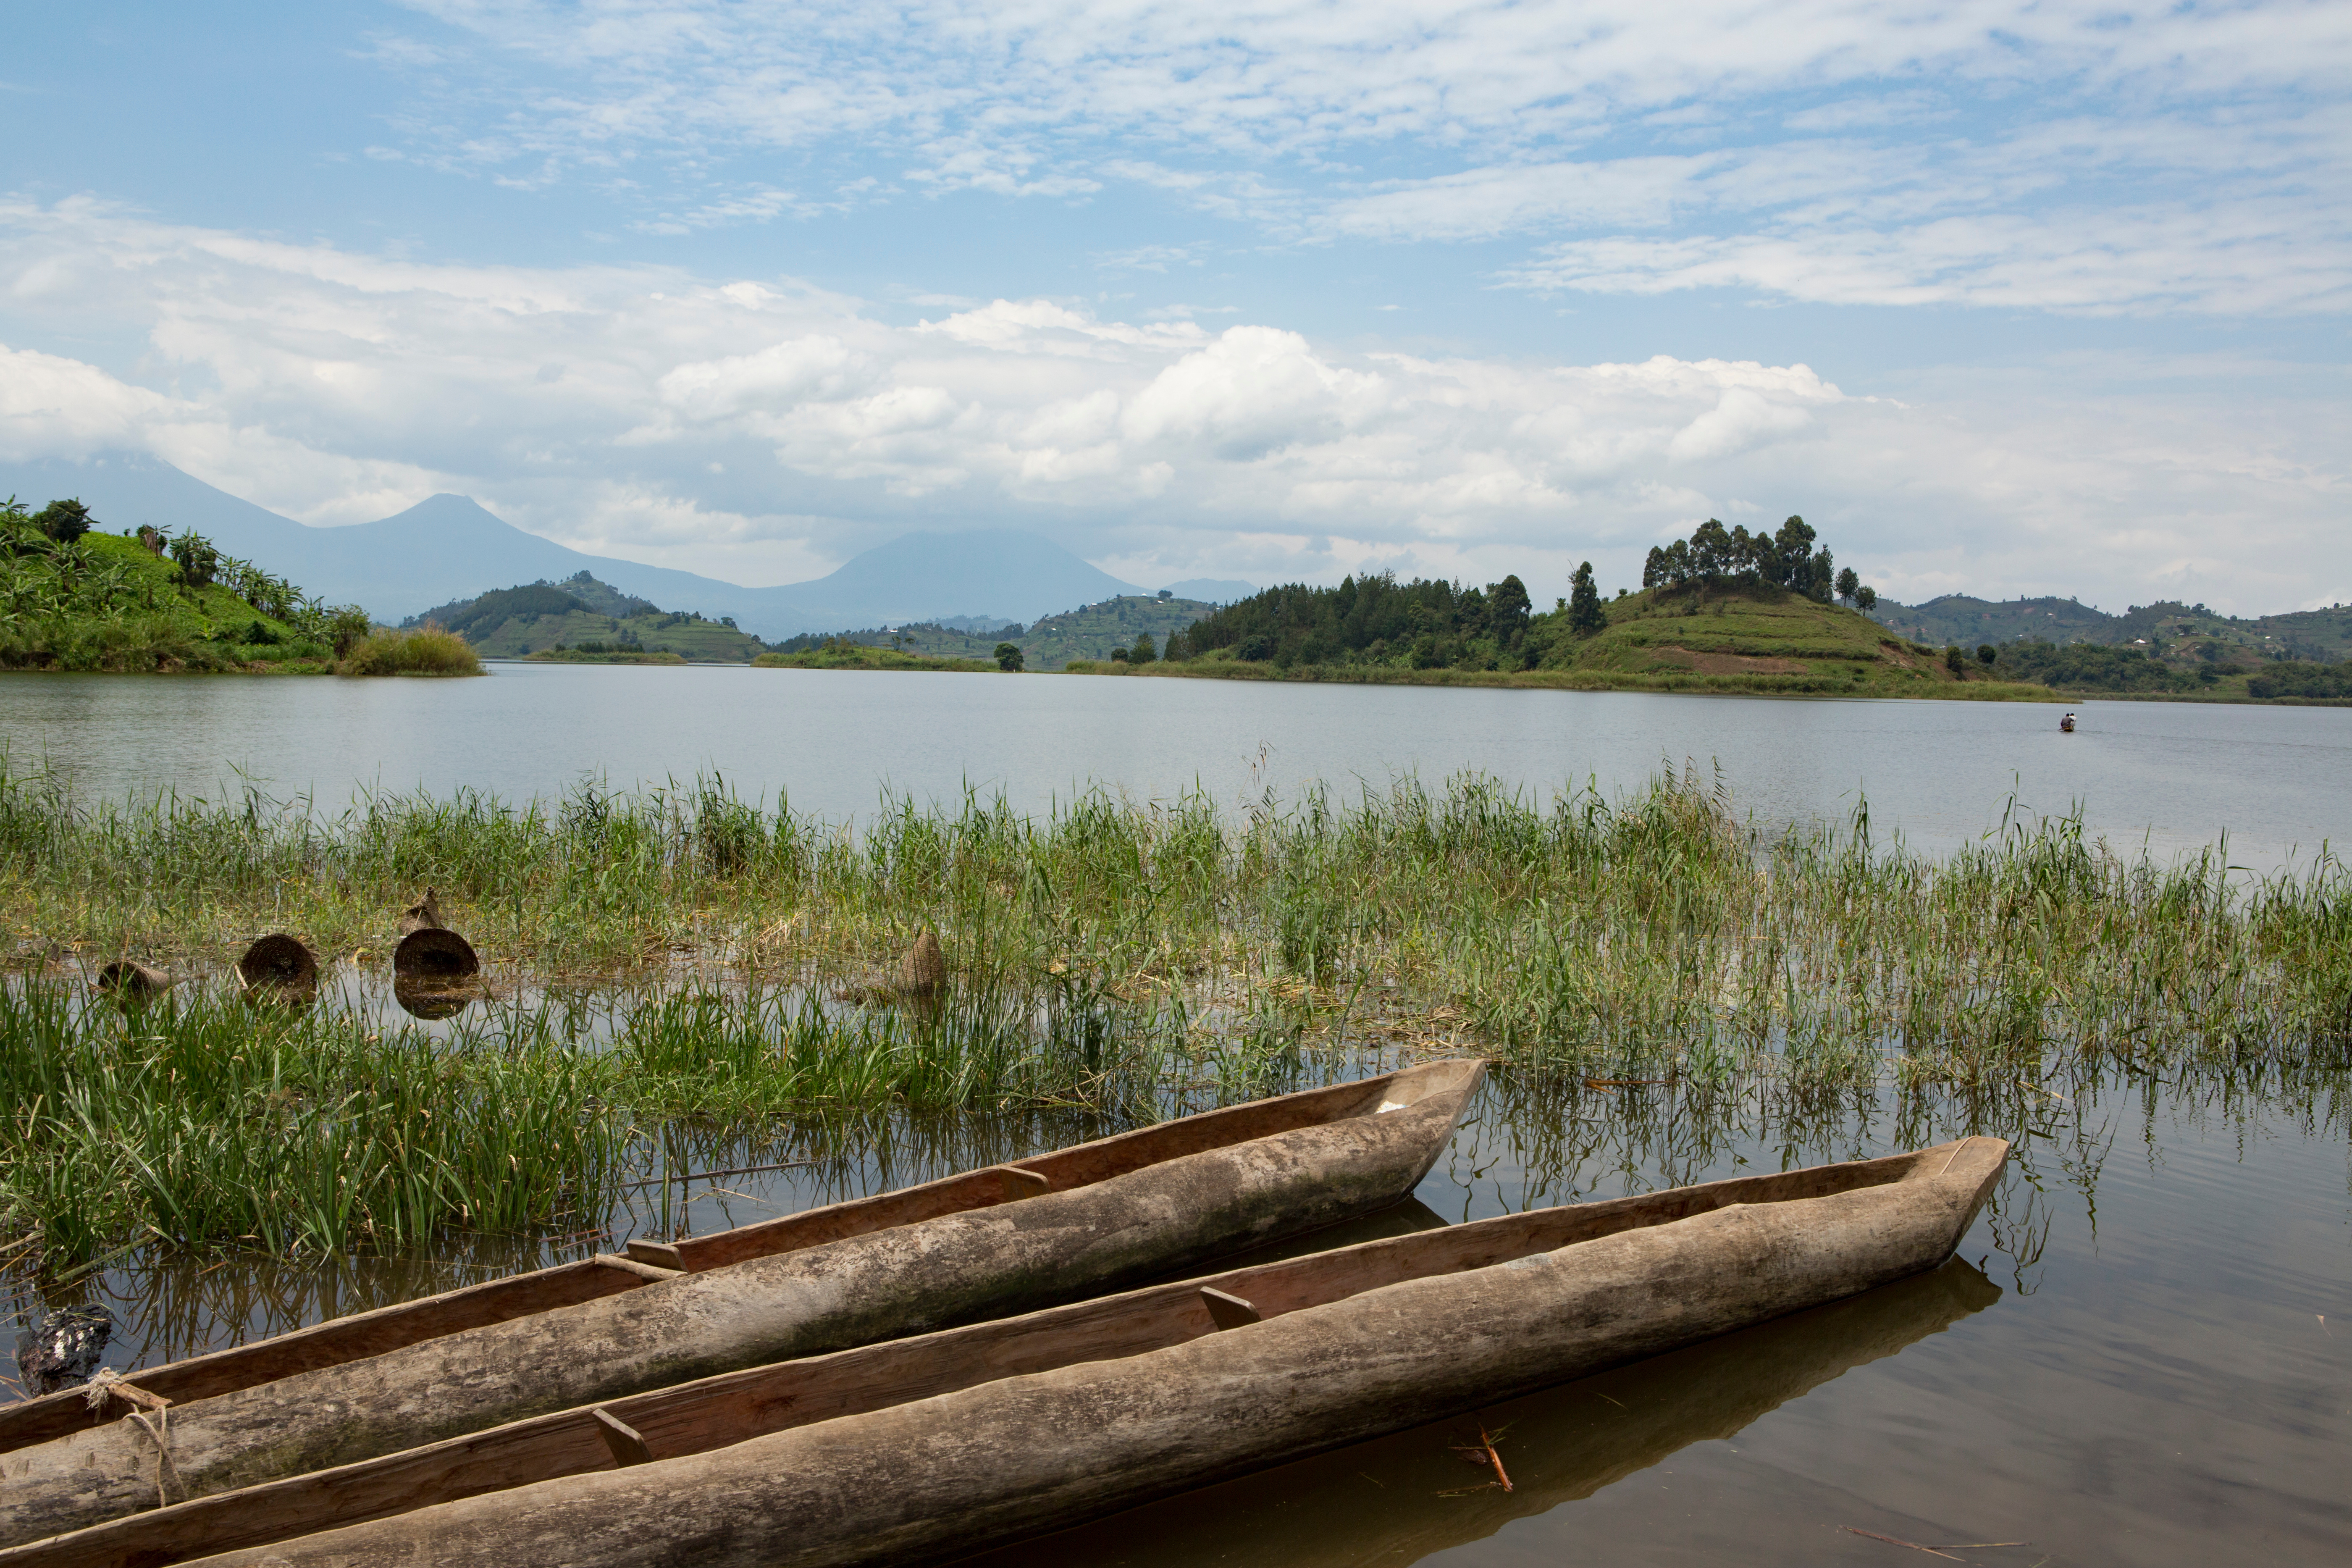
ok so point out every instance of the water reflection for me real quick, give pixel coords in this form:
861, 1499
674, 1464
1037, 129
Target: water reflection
1399, 1499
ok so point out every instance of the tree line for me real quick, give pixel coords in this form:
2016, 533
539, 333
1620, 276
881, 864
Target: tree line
1429, 624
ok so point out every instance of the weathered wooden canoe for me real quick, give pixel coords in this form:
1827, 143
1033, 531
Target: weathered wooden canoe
932, 1447
1561, 1445
1094, 1217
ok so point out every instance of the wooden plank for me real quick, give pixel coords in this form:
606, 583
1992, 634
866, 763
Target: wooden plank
659, 1254
629, 1448
642, 1270
1020, 1183
1228, 1312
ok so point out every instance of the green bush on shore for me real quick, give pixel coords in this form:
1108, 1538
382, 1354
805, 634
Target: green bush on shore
426, 650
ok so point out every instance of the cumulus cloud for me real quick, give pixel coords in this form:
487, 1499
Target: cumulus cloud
761, 430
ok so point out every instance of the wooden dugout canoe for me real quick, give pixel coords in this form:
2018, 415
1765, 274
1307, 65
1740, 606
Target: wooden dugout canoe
1094, 1217
1560, 1446
928, 1447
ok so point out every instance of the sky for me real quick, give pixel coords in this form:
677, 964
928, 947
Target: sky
2004, 299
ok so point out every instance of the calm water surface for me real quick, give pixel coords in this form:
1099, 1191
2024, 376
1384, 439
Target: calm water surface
2173, 775
2143, 1354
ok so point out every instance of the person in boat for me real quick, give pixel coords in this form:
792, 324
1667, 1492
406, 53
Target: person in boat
2067, 724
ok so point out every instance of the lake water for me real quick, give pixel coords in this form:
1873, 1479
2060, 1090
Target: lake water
2142, 1355
2173, 777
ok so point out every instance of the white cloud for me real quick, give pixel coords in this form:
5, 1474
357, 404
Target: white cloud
2012, 153
761, 430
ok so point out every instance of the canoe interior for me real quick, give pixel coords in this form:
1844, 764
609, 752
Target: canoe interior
717, 1412
364, 1334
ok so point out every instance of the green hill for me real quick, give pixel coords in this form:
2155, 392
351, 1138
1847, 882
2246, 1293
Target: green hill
74, 598
1726, 635
2186, 637
1089, 632
581, 620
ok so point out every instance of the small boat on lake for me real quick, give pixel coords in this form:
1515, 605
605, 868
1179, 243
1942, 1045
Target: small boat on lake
930, 1447
1097, 1216
2066, 724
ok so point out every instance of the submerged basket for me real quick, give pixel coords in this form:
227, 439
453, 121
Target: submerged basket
434, 955
136, 982
278, 963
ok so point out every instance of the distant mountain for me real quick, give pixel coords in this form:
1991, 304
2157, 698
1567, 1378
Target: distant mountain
447, 549
1212, 590
1963, 619
991, 573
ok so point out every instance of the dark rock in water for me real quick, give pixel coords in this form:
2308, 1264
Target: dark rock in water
64, 1349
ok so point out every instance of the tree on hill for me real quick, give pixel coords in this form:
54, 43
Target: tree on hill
1585, 616
197, 558
1790, 558
1506, 608
1714, 553
1142, 652
63, 521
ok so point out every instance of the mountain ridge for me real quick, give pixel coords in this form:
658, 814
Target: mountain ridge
449, 548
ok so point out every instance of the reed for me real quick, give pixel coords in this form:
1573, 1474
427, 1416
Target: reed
424, 650
699, 959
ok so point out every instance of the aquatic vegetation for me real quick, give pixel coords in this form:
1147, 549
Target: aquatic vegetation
681, 958
421, 650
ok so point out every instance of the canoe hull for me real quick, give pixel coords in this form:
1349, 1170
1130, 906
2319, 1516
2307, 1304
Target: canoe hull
949, 1475
959, 1267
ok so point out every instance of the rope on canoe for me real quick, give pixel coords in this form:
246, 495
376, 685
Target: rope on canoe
152, 1412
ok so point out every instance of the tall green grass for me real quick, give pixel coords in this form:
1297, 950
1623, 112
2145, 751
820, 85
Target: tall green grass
423, 650
198, 1120
1124, 960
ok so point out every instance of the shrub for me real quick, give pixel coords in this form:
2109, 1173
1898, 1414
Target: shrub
427, 650
1008, 658
63, 521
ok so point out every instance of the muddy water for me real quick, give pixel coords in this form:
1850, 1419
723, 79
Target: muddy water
2126, 1363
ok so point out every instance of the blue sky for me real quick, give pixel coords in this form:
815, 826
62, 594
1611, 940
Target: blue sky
2003, 298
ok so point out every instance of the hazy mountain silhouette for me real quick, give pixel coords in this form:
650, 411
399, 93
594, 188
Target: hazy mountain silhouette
449, 548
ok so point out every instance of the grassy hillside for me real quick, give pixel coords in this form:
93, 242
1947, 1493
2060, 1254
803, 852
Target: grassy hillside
595, 620
1089, 632
104, 601
1726, 637
2182, 636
